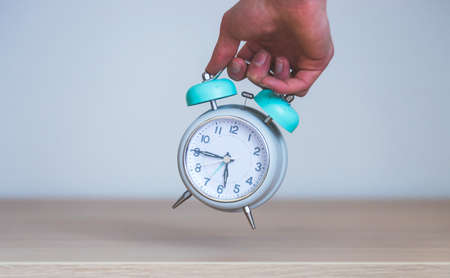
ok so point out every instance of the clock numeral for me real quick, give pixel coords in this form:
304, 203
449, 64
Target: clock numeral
234, 129
258, 166
196, 151
198, 167
249, 137
205, 139
218, 130
257, 150
220, 189
249, 180
207, 180
236, 188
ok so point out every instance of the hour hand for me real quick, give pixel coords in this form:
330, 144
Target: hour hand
225, 175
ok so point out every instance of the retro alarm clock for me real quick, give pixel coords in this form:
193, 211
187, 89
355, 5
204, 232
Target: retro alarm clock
233, 157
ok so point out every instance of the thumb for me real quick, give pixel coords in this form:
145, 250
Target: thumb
224, 52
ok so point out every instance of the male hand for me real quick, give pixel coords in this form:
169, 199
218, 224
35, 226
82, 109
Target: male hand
291, 38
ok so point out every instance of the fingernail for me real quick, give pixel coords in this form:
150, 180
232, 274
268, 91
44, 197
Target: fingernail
235, 67
260, 58
278, 66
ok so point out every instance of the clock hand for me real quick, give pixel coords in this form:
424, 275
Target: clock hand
225, 175
206, 153
215, 162
227, 160
211, 154
217, 170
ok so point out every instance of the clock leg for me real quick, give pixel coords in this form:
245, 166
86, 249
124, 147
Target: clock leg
248, 214
186, 195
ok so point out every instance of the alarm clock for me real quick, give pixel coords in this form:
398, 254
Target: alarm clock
233, 157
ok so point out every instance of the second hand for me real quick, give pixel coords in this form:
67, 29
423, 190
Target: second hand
217, 170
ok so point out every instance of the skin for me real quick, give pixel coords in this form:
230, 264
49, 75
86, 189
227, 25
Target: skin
288, 44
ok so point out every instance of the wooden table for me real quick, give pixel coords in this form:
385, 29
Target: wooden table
296, 238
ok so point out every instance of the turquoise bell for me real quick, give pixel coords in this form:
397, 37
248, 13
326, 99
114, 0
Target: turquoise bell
210, 90
278, 109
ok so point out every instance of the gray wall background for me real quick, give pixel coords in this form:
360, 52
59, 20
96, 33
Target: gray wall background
92, 99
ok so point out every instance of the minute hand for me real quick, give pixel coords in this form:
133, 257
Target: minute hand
210, 154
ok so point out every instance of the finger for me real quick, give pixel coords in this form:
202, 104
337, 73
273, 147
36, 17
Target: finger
282, 69
259, 67
225, 50
248, 51
237, 69
299, 85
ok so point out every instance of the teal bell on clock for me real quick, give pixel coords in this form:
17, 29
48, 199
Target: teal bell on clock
210, 90
278, 109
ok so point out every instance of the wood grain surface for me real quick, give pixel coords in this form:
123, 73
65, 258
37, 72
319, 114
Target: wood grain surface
213, 270
377, 235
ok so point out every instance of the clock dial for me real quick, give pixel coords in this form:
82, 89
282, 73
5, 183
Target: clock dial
226, 159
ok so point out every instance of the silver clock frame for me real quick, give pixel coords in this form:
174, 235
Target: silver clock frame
276, 148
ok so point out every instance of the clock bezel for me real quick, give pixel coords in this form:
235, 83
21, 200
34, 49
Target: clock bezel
185, 152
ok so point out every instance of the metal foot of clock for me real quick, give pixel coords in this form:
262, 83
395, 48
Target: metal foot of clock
186, 195
248, 214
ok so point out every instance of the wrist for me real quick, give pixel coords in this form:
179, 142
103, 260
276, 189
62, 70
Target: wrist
289, 6
292, 4
291, 12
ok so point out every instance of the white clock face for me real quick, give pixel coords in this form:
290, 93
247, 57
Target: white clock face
226, 159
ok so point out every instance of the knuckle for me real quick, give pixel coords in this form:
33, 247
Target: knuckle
302, 93
252, 77
255, 76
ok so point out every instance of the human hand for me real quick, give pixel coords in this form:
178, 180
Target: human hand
280, 35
